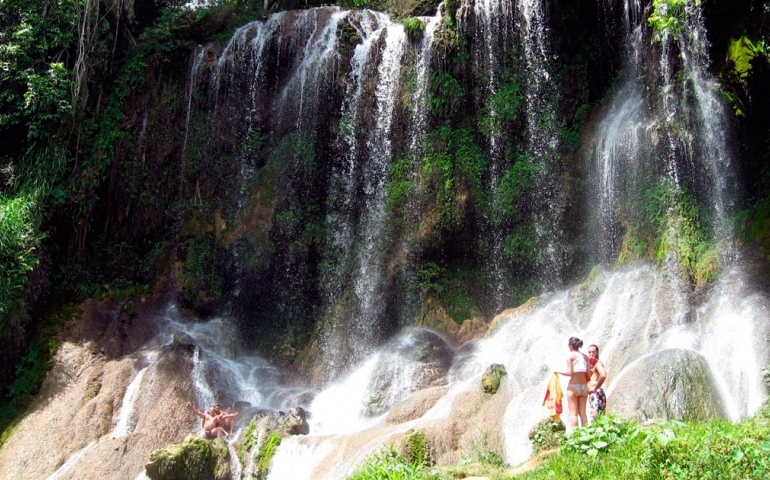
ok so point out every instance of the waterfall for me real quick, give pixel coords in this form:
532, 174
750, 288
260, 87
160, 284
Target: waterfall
624, 132
126, 418
543, 138
194, 71
419, 126
360, 231
298, 101
712, 115
368, 278
493, 30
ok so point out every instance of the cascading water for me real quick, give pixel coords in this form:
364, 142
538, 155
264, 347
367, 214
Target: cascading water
368, 278
623, 132
424, 51
493, 29
542, 135
713, 148
300, 97
360, 233
126, 418
637, 314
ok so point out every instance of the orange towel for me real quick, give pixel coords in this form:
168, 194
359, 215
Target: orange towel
553, 397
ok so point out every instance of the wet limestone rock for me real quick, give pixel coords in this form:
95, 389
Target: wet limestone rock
490, 380
413, 361
672, 384
265, 432
295, 422
415, 406
195, 458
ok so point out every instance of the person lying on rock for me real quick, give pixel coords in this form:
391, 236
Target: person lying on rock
228, 420
210, 422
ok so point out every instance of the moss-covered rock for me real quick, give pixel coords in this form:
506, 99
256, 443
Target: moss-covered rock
490, 381
195, 458
672, 384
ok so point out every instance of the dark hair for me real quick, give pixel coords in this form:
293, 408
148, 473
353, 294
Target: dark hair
596, 347
575, 343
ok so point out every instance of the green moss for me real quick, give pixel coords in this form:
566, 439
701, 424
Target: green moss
451, 287
413, 27
193, 458
265, 455
201, 283
686, 239
755, 226
490, 380
414, 448
452, 167
250, 441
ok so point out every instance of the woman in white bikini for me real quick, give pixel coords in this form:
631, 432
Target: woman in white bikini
579, 372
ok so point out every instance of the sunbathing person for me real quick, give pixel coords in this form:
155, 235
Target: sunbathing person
210, 422
228, 420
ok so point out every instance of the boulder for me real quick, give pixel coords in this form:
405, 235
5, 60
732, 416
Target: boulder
264, 434
490, 380
415, 360
195, 458
672, 384
295, 422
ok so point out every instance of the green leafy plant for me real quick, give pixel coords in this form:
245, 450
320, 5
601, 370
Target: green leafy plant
19, 241
413, 27
546, 435
387, 465
669, 15
604, 432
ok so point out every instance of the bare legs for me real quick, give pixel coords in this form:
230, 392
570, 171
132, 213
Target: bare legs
577, 407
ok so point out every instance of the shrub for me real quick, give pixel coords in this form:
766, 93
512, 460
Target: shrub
387, 464
605, 431
414, 27
546, 435
19, 240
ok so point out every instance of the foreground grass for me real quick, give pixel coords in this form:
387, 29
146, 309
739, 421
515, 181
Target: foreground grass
615, 449
673, 450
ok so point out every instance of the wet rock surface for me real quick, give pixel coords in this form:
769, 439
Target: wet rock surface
672, 384
80, 402
413, 361
195, 458
415, 406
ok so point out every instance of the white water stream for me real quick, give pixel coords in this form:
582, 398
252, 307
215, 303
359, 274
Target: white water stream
127, 418
633, 314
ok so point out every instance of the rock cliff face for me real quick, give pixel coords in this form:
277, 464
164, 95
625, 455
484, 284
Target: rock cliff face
78, 411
